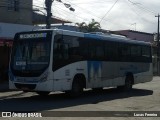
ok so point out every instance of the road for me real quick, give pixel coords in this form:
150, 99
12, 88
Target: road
143, 97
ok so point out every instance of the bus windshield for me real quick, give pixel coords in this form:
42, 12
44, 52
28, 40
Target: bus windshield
30, 57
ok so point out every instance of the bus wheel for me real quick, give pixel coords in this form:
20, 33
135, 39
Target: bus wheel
77, 88
42, 93
128, 83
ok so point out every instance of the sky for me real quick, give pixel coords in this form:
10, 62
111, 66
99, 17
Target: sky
136, 15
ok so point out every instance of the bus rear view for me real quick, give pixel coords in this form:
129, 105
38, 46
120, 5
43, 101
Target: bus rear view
30, 60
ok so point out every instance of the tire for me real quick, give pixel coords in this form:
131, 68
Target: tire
128, 84
77, 88
43, 93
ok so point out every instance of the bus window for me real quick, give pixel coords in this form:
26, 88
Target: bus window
83, 48
111, 51
124, 52
92, 50
146, 54
100, 52
135, 53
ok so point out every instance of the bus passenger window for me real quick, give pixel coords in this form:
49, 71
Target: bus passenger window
60, 50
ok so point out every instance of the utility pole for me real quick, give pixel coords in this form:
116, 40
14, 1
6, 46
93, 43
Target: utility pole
135, 24
48, 4
158, 45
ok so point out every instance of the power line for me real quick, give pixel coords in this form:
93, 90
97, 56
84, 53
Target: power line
40, 7
70, 13
109, 10
82, 19
43, 8
91, 2
140, 16
139, 5
39, 2
91, 13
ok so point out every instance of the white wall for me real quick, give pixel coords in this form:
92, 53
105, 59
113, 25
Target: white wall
8, 30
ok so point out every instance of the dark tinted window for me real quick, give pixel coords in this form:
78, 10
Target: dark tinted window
69, 49
111, 51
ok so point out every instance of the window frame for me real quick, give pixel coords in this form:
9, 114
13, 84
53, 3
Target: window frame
13, 5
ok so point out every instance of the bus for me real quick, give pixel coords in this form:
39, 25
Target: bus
45, 61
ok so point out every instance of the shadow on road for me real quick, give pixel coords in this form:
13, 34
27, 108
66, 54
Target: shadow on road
56, 101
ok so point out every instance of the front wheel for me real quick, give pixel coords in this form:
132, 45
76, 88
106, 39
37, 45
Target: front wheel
42, 93
77, 88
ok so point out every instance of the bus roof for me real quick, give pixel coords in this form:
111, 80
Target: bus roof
108, 37
115, 38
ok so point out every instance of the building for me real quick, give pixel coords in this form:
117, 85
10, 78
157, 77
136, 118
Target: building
21, 12
136, 35
16, 11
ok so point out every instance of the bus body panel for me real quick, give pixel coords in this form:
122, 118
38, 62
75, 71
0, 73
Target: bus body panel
41, 83
64, 76
101, 74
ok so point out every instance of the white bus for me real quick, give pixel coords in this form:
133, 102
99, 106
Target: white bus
45, 61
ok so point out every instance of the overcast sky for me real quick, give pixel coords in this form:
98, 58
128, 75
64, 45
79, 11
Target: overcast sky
112, 14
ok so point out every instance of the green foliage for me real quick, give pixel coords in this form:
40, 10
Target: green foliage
93, 26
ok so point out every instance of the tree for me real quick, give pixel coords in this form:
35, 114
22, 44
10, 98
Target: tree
93, 26
82, 26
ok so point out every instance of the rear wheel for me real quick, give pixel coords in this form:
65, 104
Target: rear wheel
128, 84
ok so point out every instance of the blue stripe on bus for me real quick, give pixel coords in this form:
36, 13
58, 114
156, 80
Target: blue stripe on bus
94, 69
112, 38
93, 36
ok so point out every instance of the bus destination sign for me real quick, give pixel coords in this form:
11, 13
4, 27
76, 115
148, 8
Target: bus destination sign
35, 35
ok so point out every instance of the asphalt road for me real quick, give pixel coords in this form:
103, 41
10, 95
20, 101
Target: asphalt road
143, 97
